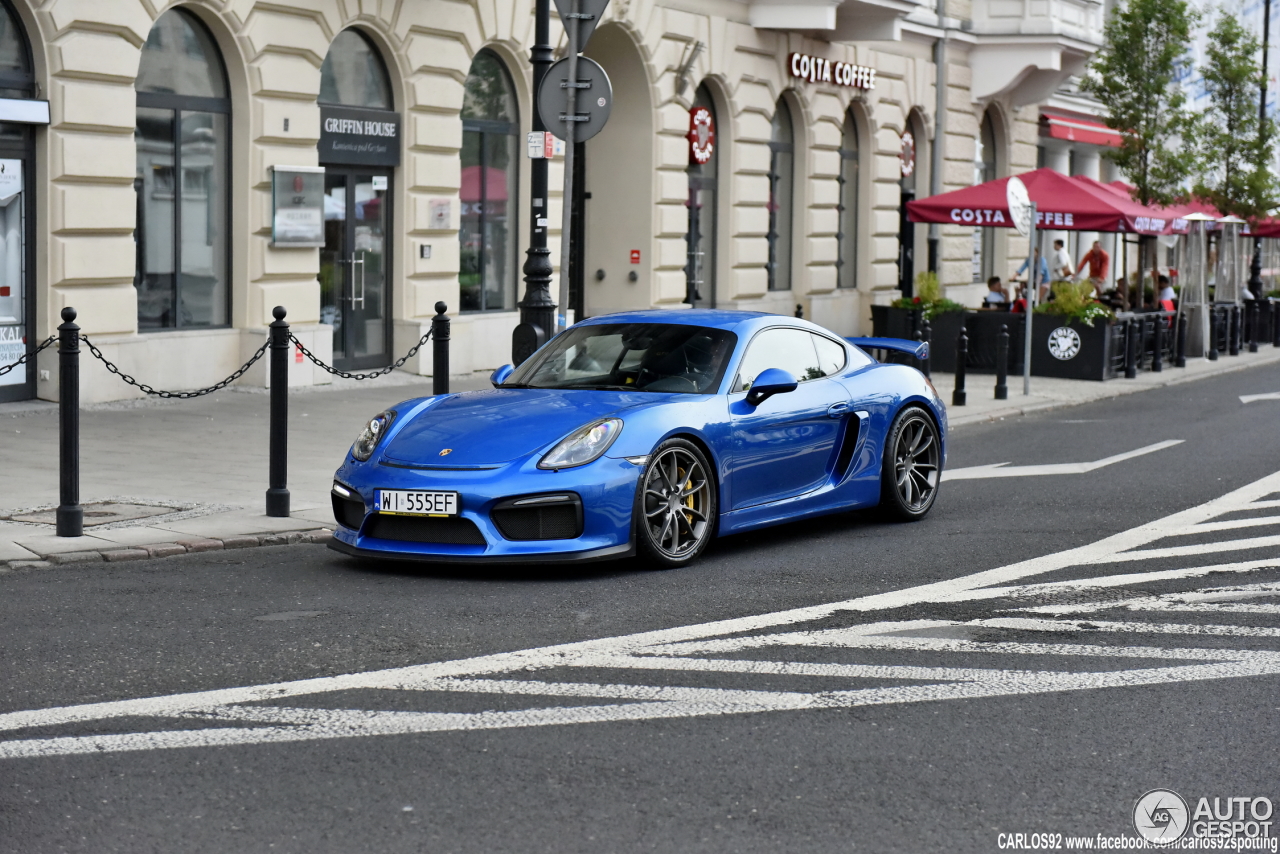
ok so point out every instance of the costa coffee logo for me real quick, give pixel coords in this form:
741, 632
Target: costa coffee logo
907, 154
815, 69
702, 135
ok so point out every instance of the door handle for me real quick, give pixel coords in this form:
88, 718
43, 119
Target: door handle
357, 299
837, 410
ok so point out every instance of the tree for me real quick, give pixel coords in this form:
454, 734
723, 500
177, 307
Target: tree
1234, 144
1134, 76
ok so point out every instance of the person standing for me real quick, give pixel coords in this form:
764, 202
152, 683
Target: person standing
1041, 274
1099, 264
1061, 262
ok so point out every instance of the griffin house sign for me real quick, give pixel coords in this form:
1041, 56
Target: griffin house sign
815, 69
358, 137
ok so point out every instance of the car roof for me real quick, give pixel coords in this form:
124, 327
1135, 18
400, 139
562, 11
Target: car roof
715, 318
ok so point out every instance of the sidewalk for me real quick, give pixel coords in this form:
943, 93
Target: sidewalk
164, 477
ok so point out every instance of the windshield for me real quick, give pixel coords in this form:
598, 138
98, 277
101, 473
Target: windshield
655, 357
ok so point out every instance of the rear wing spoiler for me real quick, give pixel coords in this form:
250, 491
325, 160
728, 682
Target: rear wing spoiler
918, 349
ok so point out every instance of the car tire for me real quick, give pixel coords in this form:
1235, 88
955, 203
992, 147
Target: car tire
912, 469
676, 504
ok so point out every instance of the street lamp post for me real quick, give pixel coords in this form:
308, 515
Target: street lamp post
537, 309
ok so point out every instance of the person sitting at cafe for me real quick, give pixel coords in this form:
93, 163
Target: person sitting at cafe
1167, 296
1020, 303
996, 294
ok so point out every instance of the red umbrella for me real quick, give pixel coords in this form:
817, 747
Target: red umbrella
1061, 204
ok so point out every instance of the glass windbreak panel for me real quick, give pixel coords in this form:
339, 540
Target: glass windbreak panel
369, 267
488, 94
180, 58
648, 357
13, 312
499, 241
471, 233
203, 282
333, 258
156, 186
353, 74
788, 349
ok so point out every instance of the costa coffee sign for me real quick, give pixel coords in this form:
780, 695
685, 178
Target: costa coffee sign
702, 135
815, 69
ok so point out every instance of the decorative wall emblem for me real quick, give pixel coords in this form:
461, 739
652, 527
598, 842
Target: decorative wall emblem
702, 135
907, 155
1064, 343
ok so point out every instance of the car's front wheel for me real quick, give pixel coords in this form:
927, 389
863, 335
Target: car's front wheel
677, 504
912, 466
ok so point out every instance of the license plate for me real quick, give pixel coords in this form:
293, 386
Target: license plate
415, 502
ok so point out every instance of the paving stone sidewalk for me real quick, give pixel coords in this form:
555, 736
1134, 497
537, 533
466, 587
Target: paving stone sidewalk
196, 471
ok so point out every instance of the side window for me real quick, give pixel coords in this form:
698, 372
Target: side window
789, 349
831, 356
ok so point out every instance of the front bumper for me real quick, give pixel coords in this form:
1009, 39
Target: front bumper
606, 489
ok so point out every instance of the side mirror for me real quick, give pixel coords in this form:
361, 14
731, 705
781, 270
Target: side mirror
499, 376
771, 381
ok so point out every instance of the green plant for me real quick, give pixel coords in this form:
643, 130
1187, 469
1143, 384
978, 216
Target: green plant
927, 287
1275, 293
1073, 301
928, 299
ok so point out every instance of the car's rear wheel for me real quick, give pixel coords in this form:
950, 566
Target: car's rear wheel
912, 466
676, 510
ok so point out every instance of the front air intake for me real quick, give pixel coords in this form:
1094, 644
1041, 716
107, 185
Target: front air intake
540, 517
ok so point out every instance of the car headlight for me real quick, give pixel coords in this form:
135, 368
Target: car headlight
583, 445
372, 434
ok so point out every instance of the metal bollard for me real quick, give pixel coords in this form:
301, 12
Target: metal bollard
958, 396
1002, 363
1275, 323
277, 491
70, 516
1157, 344
1130, 349
1180, 343
799, 311
440, 350
927, 336
1233, 332
1254, 317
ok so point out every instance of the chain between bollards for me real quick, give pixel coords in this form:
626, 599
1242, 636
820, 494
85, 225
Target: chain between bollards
278, 475
958, 395
1002, 363
70, 516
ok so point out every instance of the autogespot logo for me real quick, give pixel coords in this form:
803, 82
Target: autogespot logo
1160, 816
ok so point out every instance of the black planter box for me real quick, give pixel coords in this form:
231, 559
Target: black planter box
984, 340
944, 329
888, 322
1086, 355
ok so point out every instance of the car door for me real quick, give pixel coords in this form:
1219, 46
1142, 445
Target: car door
784, 446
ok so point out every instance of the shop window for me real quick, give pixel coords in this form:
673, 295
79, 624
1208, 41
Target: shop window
781, 197
487, 269
183, 126
353, 75
847, 237
17, 80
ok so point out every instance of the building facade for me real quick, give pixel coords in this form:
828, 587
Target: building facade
188, 165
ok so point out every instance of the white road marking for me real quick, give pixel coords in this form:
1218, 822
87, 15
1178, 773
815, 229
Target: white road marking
1250, 398
1000, 470
682, 652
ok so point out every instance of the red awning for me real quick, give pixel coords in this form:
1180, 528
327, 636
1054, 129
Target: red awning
1061, 204
1078, 129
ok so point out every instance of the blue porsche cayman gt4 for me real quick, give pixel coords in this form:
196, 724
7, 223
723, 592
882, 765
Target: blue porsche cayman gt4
646, 432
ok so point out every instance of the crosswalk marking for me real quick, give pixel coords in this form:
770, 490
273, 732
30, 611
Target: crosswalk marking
648, 675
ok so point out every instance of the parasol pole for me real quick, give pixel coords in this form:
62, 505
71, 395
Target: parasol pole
1030, 296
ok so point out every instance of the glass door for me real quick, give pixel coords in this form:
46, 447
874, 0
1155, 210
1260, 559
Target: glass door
16, 303
355, 267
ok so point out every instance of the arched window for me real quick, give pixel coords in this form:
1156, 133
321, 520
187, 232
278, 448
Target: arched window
490, 182
984, 169
700, 266
847, 238
353, 74
17, 80
781, 197
182, 182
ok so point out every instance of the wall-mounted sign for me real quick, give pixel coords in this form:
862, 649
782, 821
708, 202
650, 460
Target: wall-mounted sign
358, 137
10, 179
297, 206
635, 256
702, 136
815, 69
907, 154
440, 214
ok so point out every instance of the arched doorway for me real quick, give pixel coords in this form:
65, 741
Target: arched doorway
850, 200
782, 158
359, 150
704, 165
488, 267
616, 205
183, 177
17, 205
910, 158
985, 169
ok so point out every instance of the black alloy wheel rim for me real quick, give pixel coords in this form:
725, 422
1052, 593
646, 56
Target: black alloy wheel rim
677, 502
915, 462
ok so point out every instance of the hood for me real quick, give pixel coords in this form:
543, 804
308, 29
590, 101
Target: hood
499, 425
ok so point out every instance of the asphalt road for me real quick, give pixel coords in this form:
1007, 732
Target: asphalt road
865, 686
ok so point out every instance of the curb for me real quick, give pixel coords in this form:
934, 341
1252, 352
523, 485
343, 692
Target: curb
190, 545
